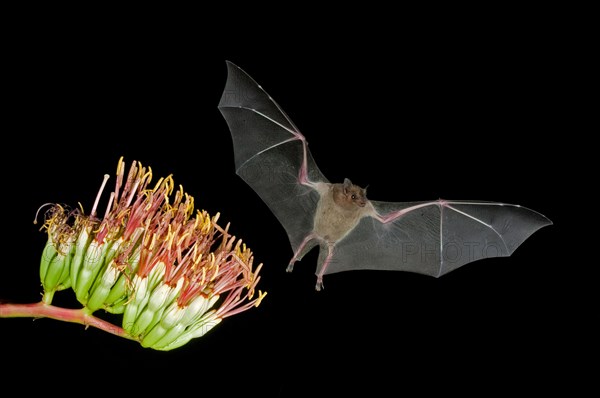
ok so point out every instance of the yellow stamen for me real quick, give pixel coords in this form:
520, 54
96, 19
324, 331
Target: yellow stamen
214, 264
152, 242
203, 276
260, 298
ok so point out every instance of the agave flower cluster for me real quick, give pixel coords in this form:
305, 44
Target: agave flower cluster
171, 271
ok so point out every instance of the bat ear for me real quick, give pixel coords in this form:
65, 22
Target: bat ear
347, 185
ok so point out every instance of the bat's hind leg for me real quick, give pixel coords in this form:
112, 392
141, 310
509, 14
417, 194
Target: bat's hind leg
307, 244
323, 266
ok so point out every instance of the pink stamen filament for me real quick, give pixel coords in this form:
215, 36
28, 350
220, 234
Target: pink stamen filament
104, 180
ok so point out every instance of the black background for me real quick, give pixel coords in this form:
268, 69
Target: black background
457, 111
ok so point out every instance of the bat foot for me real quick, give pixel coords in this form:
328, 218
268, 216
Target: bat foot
290, 267
319, 286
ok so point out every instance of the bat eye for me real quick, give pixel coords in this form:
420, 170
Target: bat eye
353, 197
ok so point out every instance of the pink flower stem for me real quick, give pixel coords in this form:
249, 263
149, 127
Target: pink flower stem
43, 310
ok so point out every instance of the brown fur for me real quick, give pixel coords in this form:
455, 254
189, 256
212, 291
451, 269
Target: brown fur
339, 210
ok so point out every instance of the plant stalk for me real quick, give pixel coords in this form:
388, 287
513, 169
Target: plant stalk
43, 310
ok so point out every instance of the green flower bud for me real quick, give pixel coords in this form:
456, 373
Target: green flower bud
102, 288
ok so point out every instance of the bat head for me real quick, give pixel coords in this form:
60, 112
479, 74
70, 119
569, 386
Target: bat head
353, 195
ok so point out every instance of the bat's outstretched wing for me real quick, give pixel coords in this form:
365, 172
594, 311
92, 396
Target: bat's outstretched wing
269, 152
435, 237
431, 238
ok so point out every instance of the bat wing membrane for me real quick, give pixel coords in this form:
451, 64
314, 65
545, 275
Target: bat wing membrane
269, 151
436, 237
431, 238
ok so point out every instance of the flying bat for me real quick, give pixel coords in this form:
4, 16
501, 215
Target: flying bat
352, 232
